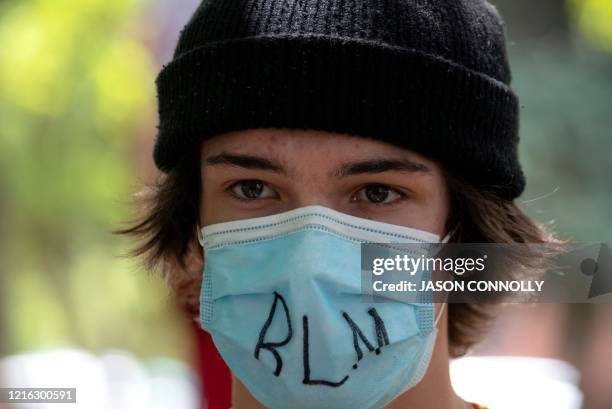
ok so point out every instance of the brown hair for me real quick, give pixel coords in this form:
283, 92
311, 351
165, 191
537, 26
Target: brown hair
167, 228
478, 215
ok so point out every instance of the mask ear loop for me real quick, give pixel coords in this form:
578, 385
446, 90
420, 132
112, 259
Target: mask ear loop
448, 236
441, 310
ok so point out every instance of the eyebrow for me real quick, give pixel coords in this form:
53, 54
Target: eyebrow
380, 166
246, 161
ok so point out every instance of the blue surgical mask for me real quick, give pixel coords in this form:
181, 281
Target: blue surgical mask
282, 299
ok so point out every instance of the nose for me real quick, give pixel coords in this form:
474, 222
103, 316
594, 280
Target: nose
320, 194
320, 201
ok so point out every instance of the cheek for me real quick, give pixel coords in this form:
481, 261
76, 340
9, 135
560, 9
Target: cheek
212, 206
207, 209
429, 218
430, 213
213, 210
440, 210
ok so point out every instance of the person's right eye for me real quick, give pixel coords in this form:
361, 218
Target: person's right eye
248, 190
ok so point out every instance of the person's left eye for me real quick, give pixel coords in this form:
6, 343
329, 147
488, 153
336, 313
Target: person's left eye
377, 194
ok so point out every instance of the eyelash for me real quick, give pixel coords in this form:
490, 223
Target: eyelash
402, 195
230, 190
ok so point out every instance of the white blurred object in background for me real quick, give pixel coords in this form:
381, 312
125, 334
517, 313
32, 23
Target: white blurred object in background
117, 380
508, 382
113, 380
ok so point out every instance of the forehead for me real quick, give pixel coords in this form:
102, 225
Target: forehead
303, 146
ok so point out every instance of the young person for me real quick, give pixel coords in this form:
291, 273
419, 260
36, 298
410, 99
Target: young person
290, 132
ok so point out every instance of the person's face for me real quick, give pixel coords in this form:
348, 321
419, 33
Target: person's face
261, 172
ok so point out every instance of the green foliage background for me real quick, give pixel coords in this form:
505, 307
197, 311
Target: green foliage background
565, 86
77, 94
76, 89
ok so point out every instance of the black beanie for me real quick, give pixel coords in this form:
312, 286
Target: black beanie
427, 75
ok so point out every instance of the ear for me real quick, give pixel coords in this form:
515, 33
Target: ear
185, 281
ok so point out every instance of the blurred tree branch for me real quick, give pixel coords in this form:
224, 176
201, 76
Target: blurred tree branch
541, 23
